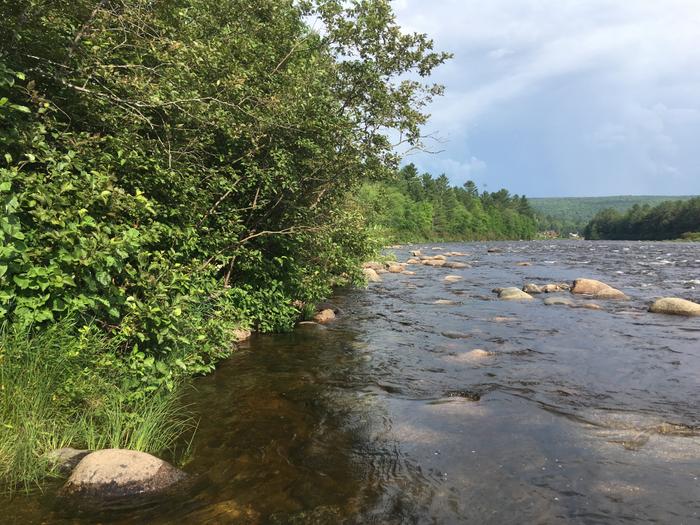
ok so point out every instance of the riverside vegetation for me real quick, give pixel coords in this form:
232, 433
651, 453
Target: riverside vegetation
173, 172
571, 214
667, 220
417, 207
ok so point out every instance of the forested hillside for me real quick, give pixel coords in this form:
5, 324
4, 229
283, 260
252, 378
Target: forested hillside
571, 214
668, 220
172, 173
417, 207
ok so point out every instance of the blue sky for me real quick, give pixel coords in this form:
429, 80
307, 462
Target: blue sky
565, 97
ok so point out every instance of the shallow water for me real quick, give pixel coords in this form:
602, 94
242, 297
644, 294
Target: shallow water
573, 416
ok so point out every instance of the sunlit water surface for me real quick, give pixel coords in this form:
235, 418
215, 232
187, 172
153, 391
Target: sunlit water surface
574, 416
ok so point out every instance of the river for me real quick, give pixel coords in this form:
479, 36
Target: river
571, 415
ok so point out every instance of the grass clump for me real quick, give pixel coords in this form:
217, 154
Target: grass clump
63, 386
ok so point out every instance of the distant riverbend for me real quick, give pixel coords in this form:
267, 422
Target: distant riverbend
430, 400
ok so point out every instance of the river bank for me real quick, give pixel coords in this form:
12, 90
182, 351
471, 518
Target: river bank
570, 415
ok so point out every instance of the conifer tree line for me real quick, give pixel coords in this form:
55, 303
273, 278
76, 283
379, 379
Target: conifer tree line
668, 220
419, 207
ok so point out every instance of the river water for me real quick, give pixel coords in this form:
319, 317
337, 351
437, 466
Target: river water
572, 416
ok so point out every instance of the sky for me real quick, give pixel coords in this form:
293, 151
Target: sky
564, 97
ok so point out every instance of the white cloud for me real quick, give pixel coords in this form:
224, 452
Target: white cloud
634, 64
458, 171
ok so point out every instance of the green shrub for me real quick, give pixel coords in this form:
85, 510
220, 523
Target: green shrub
64, 386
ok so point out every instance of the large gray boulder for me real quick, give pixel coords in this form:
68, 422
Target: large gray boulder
675, 306
114, 473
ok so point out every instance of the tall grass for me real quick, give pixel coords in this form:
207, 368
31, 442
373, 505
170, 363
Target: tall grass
60, 387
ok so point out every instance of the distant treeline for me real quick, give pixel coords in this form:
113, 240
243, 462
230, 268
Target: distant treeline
571, 214
419, 207
668, 220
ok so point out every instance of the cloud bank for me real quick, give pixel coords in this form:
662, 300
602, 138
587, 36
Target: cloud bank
565, 97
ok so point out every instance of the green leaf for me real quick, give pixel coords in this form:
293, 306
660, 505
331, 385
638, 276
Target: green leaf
21, 282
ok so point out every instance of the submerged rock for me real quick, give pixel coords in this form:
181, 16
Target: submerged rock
453, 278
590, 306
456, 335
413, 261
513, 294
494, 250
524, 263
675, 306
434, 262
597, 289
445, 302
114, 473
371, 276
558, 301
324, 316
456, 265
471, 395
241, 334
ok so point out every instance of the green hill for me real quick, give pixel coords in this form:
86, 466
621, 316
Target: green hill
571, 214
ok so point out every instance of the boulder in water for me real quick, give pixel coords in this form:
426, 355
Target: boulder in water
452, 278
242, 334
416, 253
371, 276
114, 473
395, 268
494, 250
675, 306
413, 261
434, 262
557, 287
523, 263
456, 265
514, 294
597, 289
532, 288
324, 316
